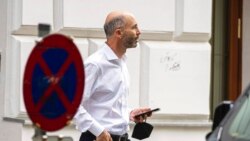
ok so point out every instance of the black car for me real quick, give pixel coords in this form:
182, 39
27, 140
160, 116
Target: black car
232, 120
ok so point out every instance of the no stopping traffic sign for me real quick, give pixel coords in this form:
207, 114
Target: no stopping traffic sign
53, 82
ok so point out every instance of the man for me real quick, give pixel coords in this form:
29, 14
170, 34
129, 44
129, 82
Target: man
104, 114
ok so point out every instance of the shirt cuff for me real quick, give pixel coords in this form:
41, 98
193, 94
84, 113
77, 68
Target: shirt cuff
96, 128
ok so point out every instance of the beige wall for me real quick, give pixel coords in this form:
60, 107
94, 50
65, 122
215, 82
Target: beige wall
245, 44
170, 68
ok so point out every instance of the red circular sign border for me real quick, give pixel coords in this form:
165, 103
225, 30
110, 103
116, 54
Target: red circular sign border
55, 41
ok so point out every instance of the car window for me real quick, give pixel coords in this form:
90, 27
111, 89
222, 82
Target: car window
240, 127
237, 127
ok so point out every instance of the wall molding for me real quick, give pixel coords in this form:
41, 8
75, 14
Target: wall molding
192, 37
159, 120
32, 30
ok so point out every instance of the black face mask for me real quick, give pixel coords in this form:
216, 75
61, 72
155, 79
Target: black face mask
142, 130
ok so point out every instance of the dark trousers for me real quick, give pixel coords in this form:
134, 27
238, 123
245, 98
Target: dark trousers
87, 136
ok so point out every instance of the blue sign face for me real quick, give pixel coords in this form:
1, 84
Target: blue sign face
53, 82
53, 106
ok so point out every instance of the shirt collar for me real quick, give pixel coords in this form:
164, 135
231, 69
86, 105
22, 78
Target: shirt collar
111, 55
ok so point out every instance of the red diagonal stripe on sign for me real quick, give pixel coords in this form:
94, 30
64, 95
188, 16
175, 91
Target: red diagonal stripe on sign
54, 86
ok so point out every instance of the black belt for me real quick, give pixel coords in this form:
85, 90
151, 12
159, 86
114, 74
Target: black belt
123, 137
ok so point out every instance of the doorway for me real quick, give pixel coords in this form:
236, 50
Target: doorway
226, 42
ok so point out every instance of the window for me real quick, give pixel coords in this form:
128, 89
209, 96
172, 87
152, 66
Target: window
240, 126
237, 127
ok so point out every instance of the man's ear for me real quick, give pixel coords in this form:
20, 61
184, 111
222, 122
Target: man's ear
118, 32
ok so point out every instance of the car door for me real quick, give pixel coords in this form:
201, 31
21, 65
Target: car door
236, 125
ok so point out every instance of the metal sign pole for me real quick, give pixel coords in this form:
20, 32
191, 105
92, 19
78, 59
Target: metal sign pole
39, 134
43, 30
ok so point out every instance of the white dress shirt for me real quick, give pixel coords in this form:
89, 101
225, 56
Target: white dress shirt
104, 104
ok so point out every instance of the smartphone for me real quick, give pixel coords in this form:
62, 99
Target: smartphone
147, 113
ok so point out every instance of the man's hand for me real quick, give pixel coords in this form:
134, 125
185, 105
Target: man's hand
104, 136
137, 111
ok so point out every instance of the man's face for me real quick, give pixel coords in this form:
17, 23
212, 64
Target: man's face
131, 34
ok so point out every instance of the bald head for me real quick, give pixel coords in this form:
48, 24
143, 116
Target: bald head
114, 20
115, 14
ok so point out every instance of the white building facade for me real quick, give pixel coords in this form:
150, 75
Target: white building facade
169, 69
